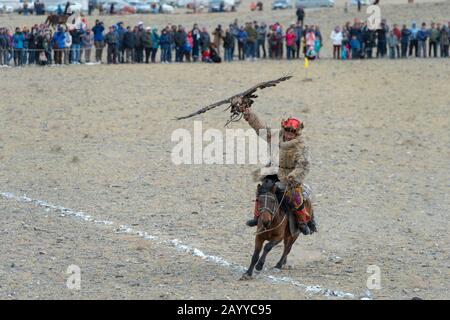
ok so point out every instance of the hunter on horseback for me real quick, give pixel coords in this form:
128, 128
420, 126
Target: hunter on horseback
293, 166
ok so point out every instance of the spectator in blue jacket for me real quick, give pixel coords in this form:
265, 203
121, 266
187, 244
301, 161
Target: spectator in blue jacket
121, 32
155, 44
422, 36
59, 38
164, 42
404, 39
99, 39
242, 41
355, 45
18, 40
413, 42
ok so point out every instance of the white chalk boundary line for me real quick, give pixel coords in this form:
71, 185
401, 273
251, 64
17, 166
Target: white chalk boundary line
175, 243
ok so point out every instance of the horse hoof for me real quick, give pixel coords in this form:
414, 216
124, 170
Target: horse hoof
259, 267
278, 266
245, 276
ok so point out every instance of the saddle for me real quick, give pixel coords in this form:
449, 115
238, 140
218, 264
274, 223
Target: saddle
288, 208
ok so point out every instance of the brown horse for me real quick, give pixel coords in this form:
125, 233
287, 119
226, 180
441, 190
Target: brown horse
273, 226
54, 20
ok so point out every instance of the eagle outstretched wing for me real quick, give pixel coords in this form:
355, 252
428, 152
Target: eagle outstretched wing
248, 94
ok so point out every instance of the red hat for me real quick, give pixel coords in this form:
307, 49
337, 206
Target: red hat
292, 123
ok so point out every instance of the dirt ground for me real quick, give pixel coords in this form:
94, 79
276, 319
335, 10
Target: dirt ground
97, 139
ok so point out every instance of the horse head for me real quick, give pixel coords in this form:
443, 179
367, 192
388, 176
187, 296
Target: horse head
268, 205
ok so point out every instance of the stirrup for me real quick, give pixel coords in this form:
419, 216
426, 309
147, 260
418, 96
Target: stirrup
252, 222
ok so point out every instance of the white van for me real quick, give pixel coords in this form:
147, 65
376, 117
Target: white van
314, 3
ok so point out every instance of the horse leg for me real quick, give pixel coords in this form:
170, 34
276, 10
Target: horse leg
267, 249
288, 242
258, 247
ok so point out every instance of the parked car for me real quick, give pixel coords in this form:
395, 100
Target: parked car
140, 7
120, 6
165, 8
314, 3
281, 4
10, 6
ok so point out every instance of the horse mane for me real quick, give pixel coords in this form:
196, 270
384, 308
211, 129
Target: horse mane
268, 184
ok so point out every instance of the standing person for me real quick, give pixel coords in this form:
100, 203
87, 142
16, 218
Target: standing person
300, 15
180, 43
147, 43
76, 45
164, 42
279, 40
171, 31
188, 47
112, 40
413, 42
121, 50
59, 44
90, 7
3, 41
398, 34
228, 43
242, 41
99, 40
298, 38
205, 41
88, 42
46, 46
290, 43
32, 39
26, 36
359, 5
67, 46
195, 43
218, 37
318, 42
434, 39
234, 29
355, 45
18, 40
405, 39
368, 41
310, 41
381, 34
445, 40
422, 36
336, 38
261, 30
251, 41
129, 43
139, 48
392, 43
155, 44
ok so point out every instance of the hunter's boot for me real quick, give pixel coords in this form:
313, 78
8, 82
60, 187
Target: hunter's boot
253, 222
302, 224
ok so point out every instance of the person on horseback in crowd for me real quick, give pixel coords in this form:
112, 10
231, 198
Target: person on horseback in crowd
293, 168
67, 9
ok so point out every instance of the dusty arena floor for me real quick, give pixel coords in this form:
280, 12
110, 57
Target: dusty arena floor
90, 147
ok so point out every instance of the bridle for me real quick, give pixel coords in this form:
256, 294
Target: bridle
273, 211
